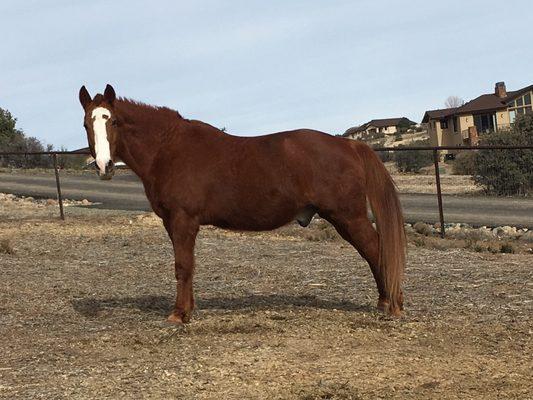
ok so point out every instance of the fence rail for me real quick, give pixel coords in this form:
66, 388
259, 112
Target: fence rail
43, 153
403, 148
434, 149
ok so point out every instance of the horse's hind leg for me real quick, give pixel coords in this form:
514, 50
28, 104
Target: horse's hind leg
359, 232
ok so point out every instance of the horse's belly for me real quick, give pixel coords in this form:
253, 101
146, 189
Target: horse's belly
264, 219
253, 220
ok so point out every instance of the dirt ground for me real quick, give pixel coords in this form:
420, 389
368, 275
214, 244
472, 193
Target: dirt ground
279, 315
450, 184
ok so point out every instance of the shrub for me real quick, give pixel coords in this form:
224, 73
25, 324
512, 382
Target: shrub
423, 228
413, 161
419, 241
493, 249
507, 172
465, 163
383, 155
71, 161
404, 126
477, 247
507, 248
5, 247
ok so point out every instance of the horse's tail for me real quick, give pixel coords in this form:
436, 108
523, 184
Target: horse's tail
385, 204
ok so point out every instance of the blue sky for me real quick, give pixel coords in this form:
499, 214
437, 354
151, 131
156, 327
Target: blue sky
257, 67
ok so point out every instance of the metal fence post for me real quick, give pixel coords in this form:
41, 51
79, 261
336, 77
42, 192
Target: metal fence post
59, 197
439, 193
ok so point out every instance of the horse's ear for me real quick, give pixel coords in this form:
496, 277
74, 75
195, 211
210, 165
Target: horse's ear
109, 94
85, 97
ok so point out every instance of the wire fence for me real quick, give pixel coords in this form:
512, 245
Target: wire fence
434, 149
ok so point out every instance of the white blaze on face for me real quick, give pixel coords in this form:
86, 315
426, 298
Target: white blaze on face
100, 116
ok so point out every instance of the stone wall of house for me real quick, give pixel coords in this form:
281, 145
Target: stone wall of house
502, 119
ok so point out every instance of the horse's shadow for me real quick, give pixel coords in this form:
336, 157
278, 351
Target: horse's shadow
161, 305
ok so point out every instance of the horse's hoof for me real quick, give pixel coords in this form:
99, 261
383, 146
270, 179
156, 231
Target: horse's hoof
174, 319
383, 305
177, 319
395, 312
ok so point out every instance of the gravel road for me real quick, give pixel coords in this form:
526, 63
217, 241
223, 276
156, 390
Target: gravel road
125, 192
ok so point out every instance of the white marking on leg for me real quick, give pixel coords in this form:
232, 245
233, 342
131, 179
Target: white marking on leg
100, 116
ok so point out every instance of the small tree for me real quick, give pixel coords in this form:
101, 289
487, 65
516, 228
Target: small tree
13, 139
507, 172
404, 125
413, 160
453, 102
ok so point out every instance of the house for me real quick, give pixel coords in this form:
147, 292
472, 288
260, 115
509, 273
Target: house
489, 112
378, 128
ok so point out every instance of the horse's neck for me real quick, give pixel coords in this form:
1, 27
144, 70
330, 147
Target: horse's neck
136, 154
139, 144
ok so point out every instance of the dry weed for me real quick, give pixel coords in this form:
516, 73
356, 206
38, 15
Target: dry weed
6, 247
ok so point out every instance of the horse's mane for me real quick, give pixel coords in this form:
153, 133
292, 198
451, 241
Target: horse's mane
153, 116
140, 110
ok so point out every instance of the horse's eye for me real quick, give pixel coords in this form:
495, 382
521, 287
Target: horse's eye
105, 116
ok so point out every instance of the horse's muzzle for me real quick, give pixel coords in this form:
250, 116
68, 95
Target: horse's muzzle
109, 171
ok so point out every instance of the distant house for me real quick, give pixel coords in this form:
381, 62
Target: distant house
378, 128
488, 112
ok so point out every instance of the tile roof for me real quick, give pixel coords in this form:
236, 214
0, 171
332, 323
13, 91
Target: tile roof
485, 102
378, 123
440, 113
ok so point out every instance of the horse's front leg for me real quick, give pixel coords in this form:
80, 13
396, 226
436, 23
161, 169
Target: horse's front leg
182, 231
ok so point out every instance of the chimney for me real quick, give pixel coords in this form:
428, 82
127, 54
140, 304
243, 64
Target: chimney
473, 136
499, 90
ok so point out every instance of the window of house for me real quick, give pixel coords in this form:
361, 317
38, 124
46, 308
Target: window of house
443, 124
485, 122
455, 124
520, 106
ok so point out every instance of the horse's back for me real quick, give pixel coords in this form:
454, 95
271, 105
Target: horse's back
310, 165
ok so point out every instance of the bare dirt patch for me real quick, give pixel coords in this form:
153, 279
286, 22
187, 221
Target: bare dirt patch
282, 315
450, 184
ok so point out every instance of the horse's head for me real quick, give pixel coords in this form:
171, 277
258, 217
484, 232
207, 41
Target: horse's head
101, 124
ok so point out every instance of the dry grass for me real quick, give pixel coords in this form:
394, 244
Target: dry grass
492, 246
279, 316
424, 181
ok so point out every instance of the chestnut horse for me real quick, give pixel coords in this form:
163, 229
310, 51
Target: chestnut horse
194, 174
